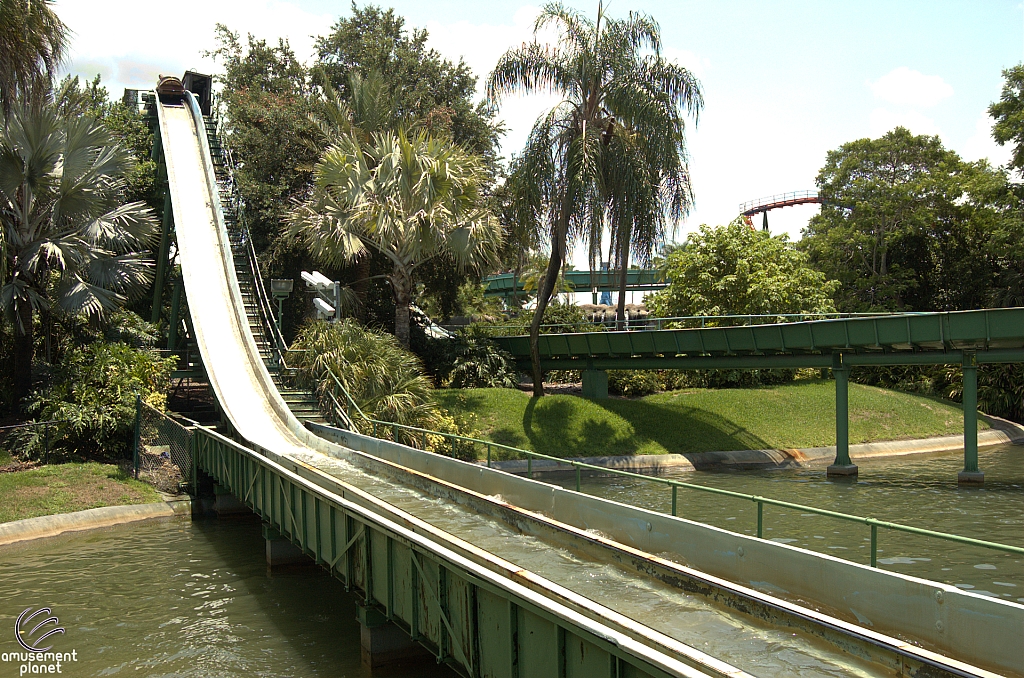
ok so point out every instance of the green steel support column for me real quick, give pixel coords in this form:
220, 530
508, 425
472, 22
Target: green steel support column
595, 384
842, 466
971, 475
162, 256
172, 330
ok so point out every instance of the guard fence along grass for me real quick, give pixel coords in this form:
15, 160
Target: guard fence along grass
795, 415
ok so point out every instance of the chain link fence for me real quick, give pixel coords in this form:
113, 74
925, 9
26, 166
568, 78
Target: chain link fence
164, 449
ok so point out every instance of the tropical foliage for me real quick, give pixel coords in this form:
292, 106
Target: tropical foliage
906, 224
735, 270
33, 41
613, 150
69, 243
93, 396
408, 196
385, 381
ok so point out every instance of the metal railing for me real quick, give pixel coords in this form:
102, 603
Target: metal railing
692, 321
423, 436
803, 196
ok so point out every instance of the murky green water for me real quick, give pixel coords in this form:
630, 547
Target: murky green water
920, 491
182, 598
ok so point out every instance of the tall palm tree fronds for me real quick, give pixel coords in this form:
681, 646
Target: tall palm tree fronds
612, 152
67, 243
33, 41
409, 196
373, 108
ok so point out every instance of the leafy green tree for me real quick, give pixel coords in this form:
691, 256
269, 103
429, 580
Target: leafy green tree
267, 105
612, 149
736, 270
423, 85
1008, 114
68, 241
33, 41
905, 225
74, 98
408, 196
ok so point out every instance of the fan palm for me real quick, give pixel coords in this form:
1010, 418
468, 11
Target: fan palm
613, 150
409, 196
67, 243
32, 43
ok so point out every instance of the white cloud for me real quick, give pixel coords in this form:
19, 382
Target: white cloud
981, 144
883, 120
908, 87
130, 42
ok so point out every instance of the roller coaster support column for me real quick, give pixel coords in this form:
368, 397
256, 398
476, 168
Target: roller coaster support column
842, 466
162, 259
971, 475
595, 383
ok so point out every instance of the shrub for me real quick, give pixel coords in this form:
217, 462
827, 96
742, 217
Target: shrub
384, 380
676, 379
468, 360
1000, 386
94, 391
634, 383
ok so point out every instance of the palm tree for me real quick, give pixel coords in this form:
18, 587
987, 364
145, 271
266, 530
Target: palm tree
612, 150
32, 44
407, 195
67, 243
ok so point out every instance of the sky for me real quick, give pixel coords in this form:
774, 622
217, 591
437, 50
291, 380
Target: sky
783, 82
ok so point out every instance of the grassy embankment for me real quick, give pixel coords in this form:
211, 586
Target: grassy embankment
800, 414
63, 488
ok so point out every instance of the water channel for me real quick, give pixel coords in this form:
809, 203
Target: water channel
740, 640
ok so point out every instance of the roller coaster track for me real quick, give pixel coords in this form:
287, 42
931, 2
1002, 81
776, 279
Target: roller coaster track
752, 207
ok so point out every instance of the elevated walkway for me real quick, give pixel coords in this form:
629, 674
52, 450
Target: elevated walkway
506, 285
965, 338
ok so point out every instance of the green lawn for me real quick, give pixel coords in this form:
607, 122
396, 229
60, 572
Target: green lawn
63, 488
800, 414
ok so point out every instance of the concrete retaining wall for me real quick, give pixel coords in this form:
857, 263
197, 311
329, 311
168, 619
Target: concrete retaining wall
51, 526
1003, 432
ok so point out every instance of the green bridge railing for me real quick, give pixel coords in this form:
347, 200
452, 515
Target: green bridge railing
682, 322
422, 435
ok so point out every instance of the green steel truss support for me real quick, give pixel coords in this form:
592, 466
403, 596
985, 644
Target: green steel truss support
965, 338
163, 254
470, 617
